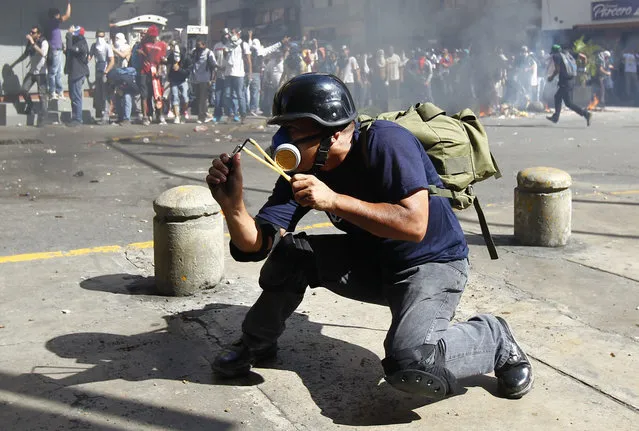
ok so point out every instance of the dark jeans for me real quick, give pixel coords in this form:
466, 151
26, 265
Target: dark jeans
75, 93
202, 97
235, 95
41, 82
564, 94
220, 101
422, 299
101, 98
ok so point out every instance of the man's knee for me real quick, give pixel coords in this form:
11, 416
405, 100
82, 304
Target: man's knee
290, 266
421, 370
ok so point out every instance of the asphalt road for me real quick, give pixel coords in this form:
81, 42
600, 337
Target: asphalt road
64, 189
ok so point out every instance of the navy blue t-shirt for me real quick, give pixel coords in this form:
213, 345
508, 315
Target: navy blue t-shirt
391, 167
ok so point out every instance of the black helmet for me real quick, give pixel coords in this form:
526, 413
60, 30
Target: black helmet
318, 96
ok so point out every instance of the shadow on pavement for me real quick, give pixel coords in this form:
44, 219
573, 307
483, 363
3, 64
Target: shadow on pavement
45, 403
121, 283
343, 379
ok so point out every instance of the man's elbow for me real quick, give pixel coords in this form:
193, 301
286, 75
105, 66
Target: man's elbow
418, 232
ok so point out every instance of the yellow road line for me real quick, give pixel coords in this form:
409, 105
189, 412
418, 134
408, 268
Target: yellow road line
626, 192
27, 257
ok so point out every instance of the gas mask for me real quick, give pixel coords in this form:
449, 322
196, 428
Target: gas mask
284, 149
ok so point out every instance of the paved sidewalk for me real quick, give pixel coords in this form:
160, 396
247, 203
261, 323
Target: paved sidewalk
85, 344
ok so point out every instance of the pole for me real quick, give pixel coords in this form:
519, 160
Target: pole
202, 13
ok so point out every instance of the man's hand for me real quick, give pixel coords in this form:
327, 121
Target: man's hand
104, 78
225, 183
176, 67
550, 78
30, 39
309, 191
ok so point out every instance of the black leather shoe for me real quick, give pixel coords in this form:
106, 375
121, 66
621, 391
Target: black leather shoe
553, 119
515, 377
236, 360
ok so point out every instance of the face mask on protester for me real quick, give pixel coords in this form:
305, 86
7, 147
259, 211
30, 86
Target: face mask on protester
284, 149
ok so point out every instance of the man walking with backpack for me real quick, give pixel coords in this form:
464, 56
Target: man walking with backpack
402, 246
563, 64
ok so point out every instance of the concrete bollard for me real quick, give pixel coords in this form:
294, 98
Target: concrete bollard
543, 207
188, 235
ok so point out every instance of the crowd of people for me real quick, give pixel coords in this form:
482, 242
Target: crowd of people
158, 79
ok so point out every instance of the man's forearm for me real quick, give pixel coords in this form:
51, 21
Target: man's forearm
244, 232
392, 221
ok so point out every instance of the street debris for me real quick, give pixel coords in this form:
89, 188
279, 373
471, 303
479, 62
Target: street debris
50, 151
79, 174
201, 128
66, 311
145, 140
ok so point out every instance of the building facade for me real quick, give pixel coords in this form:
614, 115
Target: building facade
610, 24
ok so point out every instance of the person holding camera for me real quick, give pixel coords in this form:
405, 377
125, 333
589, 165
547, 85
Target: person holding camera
36, 49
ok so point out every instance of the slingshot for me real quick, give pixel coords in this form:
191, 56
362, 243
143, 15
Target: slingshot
269, 162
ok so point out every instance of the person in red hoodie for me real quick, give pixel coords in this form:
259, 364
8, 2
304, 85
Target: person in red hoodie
153, 53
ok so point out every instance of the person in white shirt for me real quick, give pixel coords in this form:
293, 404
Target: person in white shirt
102, 52
393, 76
36, 49
220, 50
273, 72
239, 52
349, 71
258, 53
630, 73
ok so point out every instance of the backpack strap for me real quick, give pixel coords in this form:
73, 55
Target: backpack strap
483, 224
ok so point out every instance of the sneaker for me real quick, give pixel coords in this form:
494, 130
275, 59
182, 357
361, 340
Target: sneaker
515, 377
53, 96
146, 122
208, 119
588, 118
74, 123
125, 123
552, 118
253, 114
162, 120
170, 115
237, 119
237, 359
61, 96
186, 116
176, 120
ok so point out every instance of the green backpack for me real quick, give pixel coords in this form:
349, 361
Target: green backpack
458, 148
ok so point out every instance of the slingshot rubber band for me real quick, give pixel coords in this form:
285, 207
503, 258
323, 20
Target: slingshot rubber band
275, 168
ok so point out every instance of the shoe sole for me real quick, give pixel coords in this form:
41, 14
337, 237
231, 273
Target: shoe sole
419, 383
520, 393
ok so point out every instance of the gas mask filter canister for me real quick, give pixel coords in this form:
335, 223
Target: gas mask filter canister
284, 153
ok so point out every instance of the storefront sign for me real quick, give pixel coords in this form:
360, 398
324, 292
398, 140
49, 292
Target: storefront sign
603, 10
